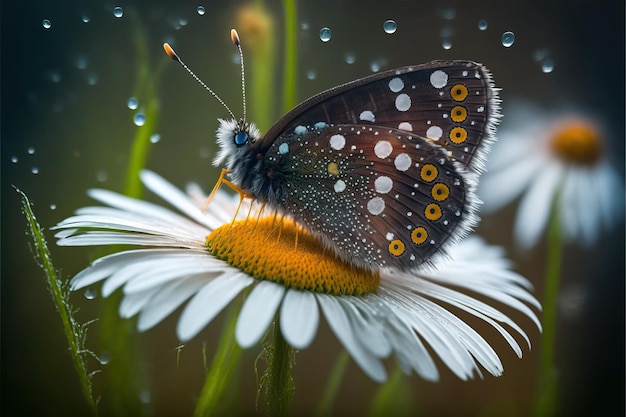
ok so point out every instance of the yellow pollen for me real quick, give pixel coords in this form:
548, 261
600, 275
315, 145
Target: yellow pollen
282, 252
577, 142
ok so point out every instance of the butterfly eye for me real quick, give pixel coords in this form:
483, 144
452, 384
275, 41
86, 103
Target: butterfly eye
241, 138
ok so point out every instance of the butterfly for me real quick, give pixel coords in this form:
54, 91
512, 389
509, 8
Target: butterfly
382, 169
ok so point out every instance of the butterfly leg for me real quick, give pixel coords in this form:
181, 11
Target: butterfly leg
222, 180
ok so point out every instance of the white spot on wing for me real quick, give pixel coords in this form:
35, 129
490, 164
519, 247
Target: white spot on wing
439, 79
406, 126
367, 116
339, 186
376, 206
300, 130
434, 133
383, 149
396, 84
283, 148
337, 142
403, 102
402, 162
383, 184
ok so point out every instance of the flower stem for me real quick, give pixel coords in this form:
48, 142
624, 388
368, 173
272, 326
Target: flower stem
74, 332
393, 397
221, 373
547, 389
334, 382
279, 386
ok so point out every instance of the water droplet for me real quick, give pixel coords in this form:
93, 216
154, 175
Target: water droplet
14, 159
118, 12
325, 34
92, 79
547, 65
139, 119
132, 103
305, 25
311, 74
46, 24
350, 58
482, 24
54, 76
155, 138
34, 170
507, 39
390, 26
102, 175
86, 18
447, 44
31, 150
90, 293
53, 206
201, 10
447, 14
80, 62
105, 357
145, 397
374, 66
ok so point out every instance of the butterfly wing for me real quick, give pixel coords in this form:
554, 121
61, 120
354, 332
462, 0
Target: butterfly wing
452, 103
378, 196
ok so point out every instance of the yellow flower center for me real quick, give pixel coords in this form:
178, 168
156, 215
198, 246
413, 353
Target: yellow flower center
280, 252
577, 142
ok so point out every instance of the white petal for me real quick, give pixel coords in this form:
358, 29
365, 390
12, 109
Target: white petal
498, 188
534, 208
368, 331
132, 304
299, 318
209, 302
177, 198
338, 322
169, 297
258, 312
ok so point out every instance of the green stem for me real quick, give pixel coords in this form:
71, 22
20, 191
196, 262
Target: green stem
332, 387
278, 379
74, 332
392, 398
290, 94
222, 371
547, 385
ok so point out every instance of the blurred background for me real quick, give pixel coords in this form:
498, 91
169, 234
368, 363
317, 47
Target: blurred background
67, 126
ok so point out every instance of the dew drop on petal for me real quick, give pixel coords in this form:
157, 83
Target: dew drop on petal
46, 24
482, 24
139, 119
390, 26
508, 38
325, 34
118, 12
90, 293
34, 170
132, 103
547, 66
311, 74
201, 10
155, 138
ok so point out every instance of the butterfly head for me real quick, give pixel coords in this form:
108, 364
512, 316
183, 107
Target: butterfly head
233, 137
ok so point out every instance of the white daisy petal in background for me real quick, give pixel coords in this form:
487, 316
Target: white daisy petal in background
201, 262
542, 158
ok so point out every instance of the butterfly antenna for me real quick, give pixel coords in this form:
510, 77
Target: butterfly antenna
170, 52
234, 36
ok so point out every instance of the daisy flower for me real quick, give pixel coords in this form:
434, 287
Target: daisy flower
558, 161
204, 260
